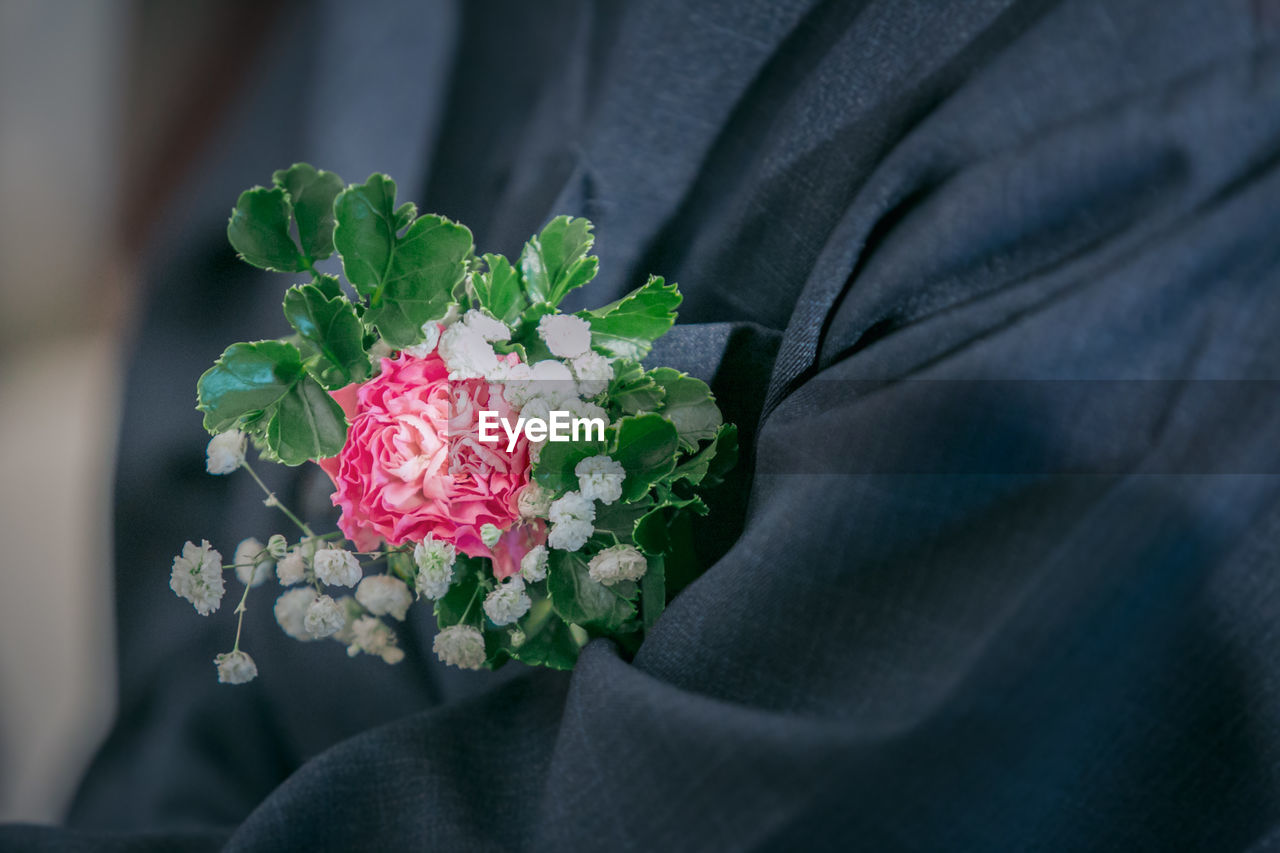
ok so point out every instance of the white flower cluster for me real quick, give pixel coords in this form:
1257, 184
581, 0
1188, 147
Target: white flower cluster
461, 646
225, 452
507, 602
600, 478
385, 595
434, 559
372, 636
572, 521
235, 667
253, 562
197, 577
336, 566
616, 564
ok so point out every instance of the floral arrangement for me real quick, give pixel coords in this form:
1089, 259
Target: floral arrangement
513, 464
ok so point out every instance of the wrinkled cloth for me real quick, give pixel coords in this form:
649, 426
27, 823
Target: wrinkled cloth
993, 289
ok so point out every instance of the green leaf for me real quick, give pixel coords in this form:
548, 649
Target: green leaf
548, 640
556, 261
689, 404
632, 390
332, 327
651, 535
307, 424
653, 591
555, 466
646, 446
498, 291
726, 455
329, 286
246, 381
463, 598
583, 601
264, 389
619, 518
627, 328
407, 279
311, 194
259, 230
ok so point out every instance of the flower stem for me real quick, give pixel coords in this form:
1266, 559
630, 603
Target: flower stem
275, 501
240, 608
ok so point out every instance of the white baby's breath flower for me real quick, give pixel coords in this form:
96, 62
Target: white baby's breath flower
593, 372
534, 501
569, 535
461, 646
466, 353
325, 617
252, 561
225, 452
572, 522
552, 381
197, 576
384, 595
619, 563
507, 602
514, 381
277, 546
373, 637
235, 668
566, 336
489, 328
337, 567
572, 506
600, 478
579, 408
538, 408
490, 534
291, 612
533, 565
430, 337
292, 568
434, 559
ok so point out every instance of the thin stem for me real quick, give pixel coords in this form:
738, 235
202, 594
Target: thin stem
240, 609
467, 612
275, 501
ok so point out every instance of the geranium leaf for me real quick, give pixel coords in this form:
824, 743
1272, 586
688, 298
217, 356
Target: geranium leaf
653, 591
259, 230
407, 279
556, 261
245, 382
307, 424
583, 601
498, 291
689, 404
628, 327
646, 446
311, 193
633, 391
332, 327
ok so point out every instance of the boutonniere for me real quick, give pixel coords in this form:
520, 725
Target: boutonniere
514, 465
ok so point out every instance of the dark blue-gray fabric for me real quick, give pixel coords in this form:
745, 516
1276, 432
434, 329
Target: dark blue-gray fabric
951, 605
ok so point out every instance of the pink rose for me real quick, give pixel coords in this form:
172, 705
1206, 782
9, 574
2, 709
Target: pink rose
413, 465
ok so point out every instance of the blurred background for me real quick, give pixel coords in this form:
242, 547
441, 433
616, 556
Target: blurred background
103, 105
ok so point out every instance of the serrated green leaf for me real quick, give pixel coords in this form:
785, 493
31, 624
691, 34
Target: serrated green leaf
259, 230
247, 380
646, 446
689, 404
633, 391
628, 327
307, 424
726, 455
329, 286
311, 193
696, 468
498, 291
556, 261
583, 601
332, 327
407, 279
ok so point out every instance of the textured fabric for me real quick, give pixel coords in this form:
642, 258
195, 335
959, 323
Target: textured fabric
950, 604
